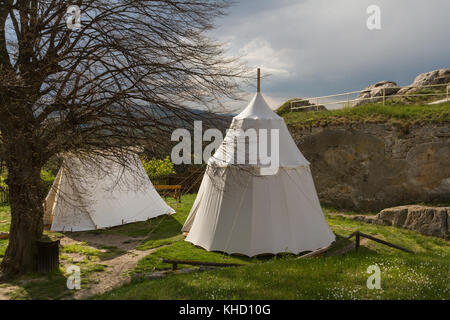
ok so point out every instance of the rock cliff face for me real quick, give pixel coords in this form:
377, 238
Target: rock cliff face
430, 221
378, 165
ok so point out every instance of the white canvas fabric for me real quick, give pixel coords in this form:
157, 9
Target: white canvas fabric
262, 119
240, 211
87, 198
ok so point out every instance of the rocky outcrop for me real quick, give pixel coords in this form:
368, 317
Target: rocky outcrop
298, 102
307, 106
372, 166
430, 221
374, 92
441, 76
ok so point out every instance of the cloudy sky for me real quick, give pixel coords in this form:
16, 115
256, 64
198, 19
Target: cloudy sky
317, 47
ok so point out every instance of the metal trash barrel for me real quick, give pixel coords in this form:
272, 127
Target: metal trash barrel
47, 256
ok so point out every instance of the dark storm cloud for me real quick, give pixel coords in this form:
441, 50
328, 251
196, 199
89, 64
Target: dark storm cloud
320, 47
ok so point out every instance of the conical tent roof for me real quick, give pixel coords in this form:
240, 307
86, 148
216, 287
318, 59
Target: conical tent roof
258, 116
258, 109
88, 196
239, 210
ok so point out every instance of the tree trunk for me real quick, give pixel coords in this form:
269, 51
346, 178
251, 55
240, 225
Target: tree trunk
25, 196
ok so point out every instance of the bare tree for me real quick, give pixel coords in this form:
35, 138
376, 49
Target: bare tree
125, 77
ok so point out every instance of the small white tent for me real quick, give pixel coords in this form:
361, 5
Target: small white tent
92, 194
238, 210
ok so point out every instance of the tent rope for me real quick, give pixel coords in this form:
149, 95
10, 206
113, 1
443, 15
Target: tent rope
194, 183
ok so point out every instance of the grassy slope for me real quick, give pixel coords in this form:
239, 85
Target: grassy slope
404, 276
391, 112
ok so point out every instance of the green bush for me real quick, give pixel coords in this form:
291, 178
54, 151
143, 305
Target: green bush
158, 167
47, 178
3, 185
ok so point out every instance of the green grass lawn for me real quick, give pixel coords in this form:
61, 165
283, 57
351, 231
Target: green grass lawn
424, 275
402, 277
394, 112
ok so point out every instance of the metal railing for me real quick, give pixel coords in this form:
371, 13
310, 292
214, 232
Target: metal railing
350, 102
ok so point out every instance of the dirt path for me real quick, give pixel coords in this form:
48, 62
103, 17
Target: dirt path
116, 274
6, 290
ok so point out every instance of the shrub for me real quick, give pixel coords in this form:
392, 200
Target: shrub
158, 167
3, 185
47, 178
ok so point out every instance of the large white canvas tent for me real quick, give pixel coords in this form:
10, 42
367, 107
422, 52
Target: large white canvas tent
99, 192
240, 211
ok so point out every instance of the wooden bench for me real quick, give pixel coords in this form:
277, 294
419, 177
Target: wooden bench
175, 263
175, 188
4, 235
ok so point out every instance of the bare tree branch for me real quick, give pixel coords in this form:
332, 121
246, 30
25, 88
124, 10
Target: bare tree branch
129, 76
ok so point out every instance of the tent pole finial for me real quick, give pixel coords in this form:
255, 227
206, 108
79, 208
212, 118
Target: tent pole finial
259, 80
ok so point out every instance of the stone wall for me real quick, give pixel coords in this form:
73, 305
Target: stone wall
373, 166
